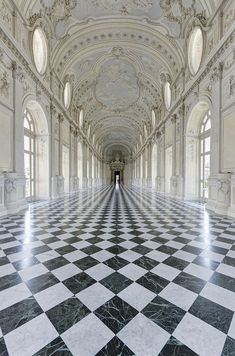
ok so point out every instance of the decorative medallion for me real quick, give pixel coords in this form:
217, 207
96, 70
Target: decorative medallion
117, 85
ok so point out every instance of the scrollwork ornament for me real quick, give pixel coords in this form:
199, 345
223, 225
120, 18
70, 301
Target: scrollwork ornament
10, 185
223, 186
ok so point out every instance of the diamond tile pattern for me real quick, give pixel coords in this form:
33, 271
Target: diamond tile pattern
117, 271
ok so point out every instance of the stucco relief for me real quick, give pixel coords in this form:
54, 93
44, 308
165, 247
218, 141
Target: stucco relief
123, 6
230, 87
4, 84
117, 85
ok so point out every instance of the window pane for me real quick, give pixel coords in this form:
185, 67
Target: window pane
26, 124
32, 166
201, 189
207, 144
26, 143
202, 146
27, 165
202, 167
32, 145
208, 125
27, 188
207, 166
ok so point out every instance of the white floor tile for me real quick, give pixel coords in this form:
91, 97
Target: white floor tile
199, 336
94, 296
87, 337
30, 337
137, 296
178, 295
50, 297
13, 295
143, 336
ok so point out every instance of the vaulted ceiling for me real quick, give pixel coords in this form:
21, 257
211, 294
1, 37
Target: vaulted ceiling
116, 51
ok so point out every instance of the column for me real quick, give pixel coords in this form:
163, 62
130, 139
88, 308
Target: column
219, 183
173, 177
14, 179
182, 154
84, 164
60, 178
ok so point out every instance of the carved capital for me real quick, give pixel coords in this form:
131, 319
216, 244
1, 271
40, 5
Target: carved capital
217, 73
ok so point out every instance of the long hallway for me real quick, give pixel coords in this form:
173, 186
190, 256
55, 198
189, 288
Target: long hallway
117, 271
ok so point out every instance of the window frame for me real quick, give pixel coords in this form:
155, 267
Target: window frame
69, 94
167, 90
30, 134
45, 45
204, 134
190, 55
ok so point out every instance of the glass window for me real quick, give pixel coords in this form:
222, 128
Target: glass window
205, 155
40, 52
195, 50
167, 95
29, 155
67, 95
81, 118
153, 118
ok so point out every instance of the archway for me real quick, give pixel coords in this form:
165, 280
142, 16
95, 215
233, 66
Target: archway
36, 152
154, 166
197, 163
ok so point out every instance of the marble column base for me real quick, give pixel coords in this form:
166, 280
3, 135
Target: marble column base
219, 193
14, 193
231, 209
57, 186
74, 184
3, 210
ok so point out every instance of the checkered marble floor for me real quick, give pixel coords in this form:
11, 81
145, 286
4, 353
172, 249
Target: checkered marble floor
117, 271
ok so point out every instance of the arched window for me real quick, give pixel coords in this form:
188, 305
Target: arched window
81, 118
205, 144
67, 94
29, 154
153, 118
40, 50
195, 50
167, 95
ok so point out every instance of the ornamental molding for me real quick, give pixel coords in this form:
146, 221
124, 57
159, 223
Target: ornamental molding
4, 84
123, 7
10, 185
60, 10
95, 38
117, 165
177, 11
230, 86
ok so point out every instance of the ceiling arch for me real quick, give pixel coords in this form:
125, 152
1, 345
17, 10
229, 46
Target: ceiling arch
116, 51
